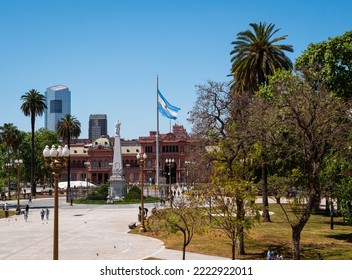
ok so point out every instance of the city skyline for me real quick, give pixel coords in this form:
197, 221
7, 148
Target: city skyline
109, 54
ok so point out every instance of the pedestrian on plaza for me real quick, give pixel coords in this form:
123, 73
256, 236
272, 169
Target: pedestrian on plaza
30, 198
27, 207
47, 213
6, 209
279, 256
25, 215
42, 214
145, 212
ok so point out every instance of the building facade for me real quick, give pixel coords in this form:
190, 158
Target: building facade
58, 102
98, 126
92, 160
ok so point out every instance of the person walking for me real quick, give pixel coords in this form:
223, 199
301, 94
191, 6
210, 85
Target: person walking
47, 213
25, 215
42, 214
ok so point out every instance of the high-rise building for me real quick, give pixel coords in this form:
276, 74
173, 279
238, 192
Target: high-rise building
58, 102
98, 126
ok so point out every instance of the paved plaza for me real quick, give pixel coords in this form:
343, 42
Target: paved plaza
86, 232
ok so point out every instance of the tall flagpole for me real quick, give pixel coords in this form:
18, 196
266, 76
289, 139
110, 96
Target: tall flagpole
157, 133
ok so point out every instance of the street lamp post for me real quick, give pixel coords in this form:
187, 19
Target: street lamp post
18, 163
141, 162
170, 163
56, 159
9, 166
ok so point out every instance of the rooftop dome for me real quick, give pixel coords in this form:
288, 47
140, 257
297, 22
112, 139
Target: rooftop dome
101, 142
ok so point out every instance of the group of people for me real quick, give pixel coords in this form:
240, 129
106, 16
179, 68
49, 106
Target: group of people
270, 255
43, 213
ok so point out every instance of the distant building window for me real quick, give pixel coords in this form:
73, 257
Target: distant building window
55, 106
170, 149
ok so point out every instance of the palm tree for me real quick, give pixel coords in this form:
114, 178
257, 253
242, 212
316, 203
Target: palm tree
67, 128
33, 105
11, 137
256, 56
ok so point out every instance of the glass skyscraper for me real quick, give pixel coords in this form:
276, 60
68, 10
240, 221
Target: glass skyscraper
98, 126
58, 102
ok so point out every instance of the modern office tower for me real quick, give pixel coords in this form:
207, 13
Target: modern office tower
98, 126
58, 102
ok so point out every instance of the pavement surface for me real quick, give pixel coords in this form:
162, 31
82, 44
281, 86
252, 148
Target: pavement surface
86, 232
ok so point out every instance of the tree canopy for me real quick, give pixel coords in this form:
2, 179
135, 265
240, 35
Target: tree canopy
331, 61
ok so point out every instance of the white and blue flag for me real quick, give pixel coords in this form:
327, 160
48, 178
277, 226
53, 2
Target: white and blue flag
165, 108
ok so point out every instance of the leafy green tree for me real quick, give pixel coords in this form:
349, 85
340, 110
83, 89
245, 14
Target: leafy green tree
255, 57
67, 128
33, 105
232, 195
43, 137
187, 217
344, 195
310, 122
331, 61
11, 138
220, 118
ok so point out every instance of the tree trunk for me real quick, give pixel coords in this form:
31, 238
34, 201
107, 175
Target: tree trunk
33, 185
304, 217
233, 248
266, 215
239, 229
296, 238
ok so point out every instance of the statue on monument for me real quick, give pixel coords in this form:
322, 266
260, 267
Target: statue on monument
117, 128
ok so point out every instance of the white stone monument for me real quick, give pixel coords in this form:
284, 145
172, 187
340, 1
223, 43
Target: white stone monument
117, 181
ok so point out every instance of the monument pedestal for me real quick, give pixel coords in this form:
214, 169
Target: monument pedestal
118, 189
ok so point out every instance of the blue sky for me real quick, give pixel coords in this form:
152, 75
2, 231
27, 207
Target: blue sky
109, 53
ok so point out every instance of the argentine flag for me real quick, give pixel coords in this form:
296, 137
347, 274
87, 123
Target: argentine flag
165, 108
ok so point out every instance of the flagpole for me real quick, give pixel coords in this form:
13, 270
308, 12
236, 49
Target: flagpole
157, 133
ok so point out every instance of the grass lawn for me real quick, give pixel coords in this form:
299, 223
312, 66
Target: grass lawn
316, 237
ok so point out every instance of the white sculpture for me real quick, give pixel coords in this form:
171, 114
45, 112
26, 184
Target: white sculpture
117, 128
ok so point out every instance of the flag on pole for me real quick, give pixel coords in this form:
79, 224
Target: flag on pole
165, 108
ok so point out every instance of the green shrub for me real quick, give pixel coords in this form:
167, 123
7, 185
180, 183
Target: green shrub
133, 194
